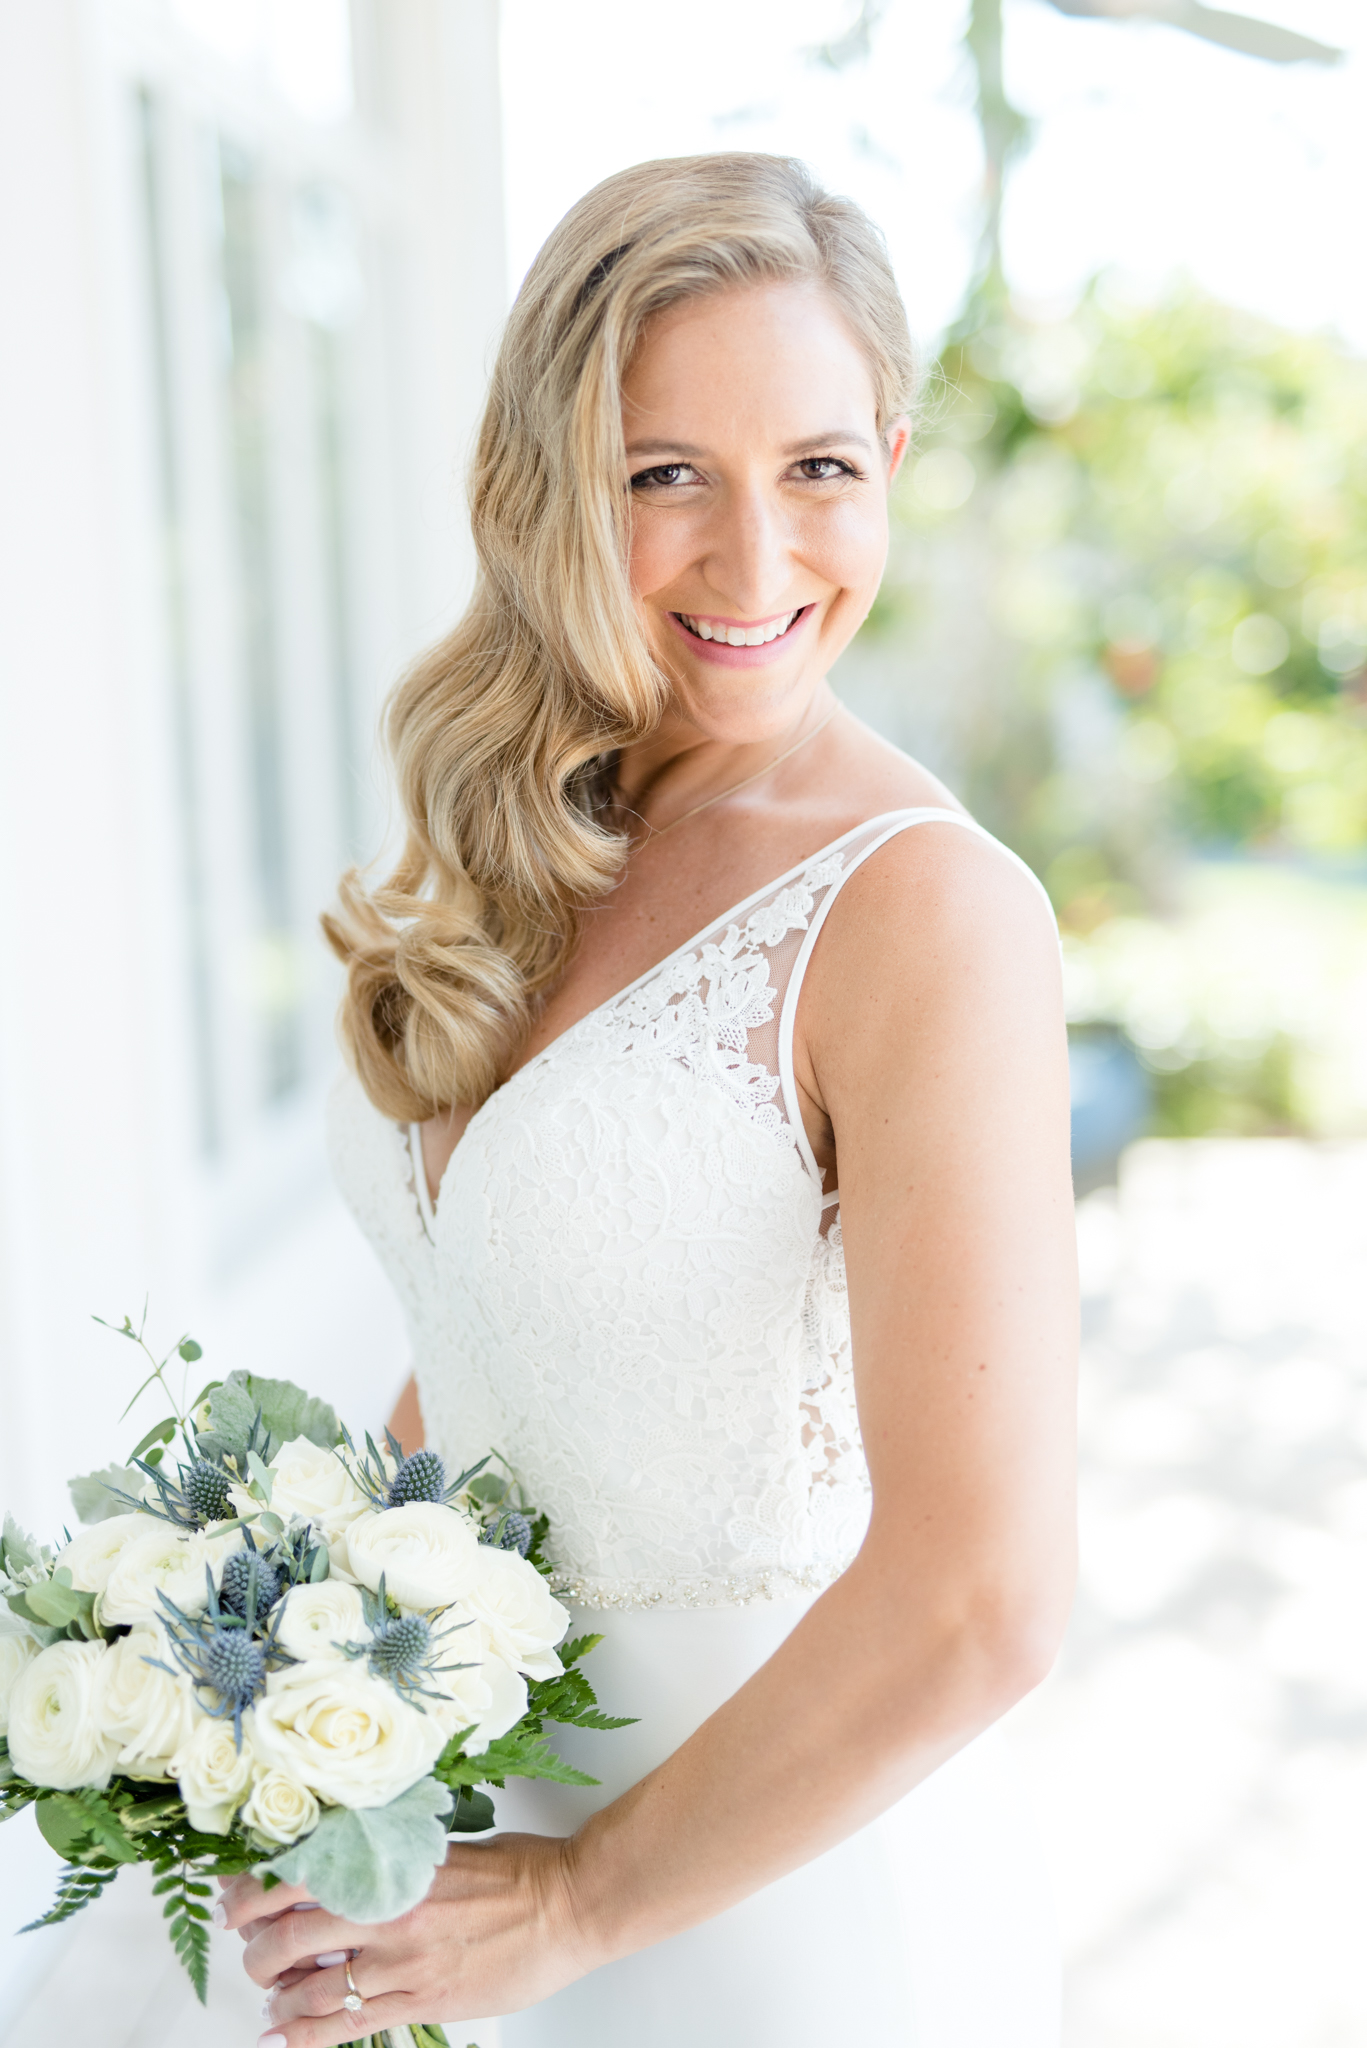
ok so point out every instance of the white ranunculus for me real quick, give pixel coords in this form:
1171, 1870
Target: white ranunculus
486, 1695
315, 1485
280, 1809
164, 1560
57, 1736
91, 1555
523, 1619
214, 1775
150, 1713
18, 1648
316, 1620
424, 1553
346, 1736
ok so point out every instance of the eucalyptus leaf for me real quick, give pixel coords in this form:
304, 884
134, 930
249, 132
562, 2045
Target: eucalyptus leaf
375, 1862
57, 1605
93, 1494
44, 1633
160, 1433
489, 1489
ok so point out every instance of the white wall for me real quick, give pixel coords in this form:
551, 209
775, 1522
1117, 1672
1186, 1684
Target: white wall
104, 1196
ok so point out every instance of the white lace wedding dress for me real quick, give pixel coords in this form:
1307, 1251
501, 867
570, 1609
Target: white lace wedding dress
634, 1287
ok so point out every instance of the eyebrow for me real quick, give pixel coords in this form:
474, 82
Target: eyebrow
841, 435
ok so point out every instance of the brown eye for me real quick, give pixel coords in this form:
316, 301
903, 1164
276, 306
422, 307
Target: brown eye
662, 476
820, 469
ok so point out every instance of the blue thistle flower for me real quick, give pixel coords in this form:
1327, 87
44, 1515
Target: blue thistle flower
197, 1496
512, 1531
421, 1476
242, 1568
400, 1649
206, 1488
224, 1652
404, 1648
234, 1665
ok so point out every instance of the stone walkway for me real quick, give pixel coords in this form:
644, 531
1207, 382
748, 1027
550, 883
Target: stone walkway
1200, 1758
1199, 1761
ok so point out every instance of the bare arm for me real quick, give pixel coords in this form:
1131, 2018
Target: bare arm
406, 1422
933, 1041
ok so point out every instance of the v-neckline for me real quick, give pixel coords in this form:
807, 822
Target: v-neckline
427, 1208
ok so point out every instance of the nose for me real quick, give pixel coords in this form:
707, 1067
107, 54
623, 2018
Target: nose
749, 561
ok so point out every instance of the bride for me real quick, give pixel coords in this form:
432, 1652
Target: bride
676, 949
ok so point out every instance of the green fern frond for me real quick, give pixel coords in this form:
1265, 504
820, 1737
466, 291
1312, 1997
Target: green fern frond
77, 1887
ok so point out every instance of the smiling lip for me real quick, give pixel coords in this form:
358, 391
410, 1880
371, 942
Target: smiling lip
781, 630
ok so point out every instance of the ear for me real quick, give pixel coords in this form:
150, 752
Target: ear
896, 440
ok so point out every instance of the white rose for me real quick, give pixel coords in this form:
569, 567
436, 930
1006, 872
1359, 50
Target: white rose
315, 1620
165, 1560
91, 1556
485, 1695
346, 1736
424, 1552
56, 1734
280, 1808
151, 1714
214, 1775
523, 1619
17, 1649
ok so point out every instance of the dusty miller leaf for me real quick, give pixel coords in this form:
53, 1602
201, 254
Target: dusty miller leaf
372, 1863
286, 1412
92, 1493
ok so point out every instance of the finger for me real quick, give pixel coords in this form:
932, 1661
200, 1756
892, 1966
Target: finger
332, 2029
317, 1999
246, 1898
293, 1939
335, 2028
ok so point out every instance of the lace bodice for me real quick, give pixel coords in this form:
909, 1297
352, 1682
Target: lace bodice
633, 1283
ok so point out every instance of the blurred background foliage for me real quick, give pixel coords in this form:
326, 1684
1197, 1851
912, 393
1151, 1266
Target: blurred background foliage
1125, 616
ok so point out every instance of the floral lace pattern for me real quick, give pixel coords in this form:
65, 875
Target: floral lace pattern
628, 1289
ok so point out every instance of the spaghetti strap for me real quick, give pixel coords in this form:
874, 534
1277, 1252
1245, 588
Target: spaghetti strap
891, 825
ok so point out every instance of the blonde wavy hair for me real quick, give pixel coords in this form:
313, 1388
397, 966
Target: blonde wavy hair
503, 736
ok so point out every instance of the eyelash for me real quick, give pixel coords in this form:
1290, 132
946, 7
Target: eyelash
646, 478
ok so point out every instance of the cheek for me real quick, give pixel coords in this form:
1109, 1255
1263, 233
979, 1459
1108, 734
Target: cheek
849, 546
659, 552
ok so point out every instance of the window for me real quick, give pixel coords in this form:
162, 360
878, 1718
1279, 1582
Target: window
268, 408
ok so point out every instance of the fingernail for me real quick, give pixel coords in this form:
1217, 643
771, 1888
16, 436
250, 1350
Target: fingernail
266, 2012
272, 2041
306, 1906
219, 1916
330, 1960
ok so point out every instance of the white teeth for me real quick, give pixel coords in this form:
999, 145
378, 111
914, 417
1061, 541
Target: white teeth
739, 636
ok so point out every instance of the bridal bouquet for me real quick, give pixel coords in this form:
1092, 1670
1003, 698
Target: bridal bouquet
283, 1655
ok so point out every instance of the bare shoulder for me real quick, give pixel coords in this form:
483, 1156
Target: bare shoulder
938, 926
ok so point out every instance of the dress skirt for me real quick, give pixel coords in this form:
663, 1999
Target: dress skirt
930, 1928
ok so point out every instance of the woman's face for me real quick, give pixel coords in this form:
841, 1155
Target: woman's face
759, 500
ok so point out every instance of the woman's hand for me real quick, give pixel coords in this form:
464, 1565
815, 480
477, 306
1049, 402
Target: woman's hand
496, 1932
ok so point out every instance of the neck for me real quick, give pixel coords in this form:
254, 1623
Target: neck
679, 764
